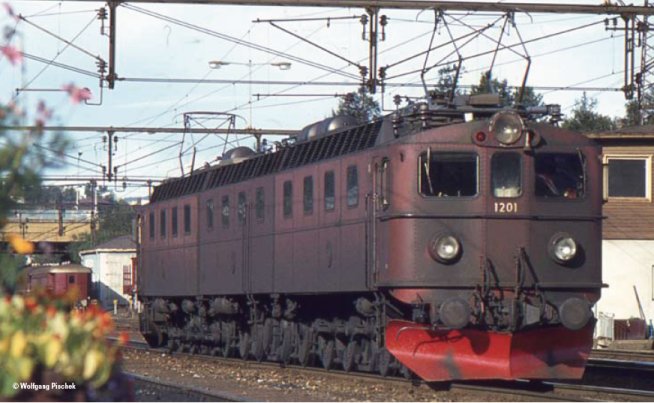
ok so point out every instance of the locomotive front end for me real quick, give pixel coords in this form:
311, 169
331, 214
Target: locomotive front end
496, 253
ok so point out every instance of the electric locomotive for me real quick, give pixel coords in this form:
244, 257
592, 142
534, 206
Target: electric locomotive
453, 242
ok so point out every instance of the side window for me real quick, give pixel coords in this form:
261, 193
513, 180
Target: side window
241, 208
225, 211
506, 175
559, 175
162, 223
187, 219
308, 195
451, 174
330, 191
173, 219
151, 224
210, 213
352, 186
628, 177
259, 204
288, 199
385, 183
71, 279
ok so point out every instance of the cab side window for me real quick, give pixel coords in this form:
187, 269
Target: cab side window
288, 199
352, 186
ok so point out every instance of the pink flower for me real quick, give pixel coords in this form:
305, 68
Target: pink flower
77, 94
14, 55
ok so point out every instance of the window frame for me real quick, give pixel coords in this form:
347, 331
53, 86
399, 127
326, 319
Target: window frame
448, 198
307, 195
210, 213
332, 189
648, 176
260, 204
151, 225
174, 222
162, 223
225, 218
287, 202
521, 171
347, 186
385, 183
187, 219
241, 207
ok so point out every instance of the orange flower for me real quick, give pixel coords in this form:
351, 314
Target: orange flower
31, 304
20, 245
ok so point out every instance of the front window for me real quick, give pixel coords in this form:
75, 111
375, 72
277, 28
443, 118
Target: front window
449, 174
559, 175
506, 174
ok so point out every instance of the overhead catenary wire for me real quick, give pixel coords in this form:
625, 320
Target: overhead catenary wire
239, 41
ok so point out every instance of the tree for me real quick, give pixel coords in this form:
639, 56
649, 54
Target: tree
507, 96
114, 219
358, 105
584, 117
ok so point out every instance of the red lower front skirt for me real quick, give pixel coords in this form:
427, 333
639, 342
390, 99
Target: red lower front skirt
441, 355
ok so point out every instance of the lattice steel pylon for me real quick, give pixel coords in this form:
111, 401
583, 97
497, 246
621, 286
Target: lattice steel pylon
645, 78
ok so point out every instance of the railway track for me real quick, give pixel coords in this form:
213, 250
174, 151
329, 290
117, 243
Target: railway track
523, 390
152, 389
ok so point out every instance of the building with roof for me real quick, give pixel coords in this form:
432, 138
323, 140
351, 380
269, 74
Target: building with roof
114, 270
628, 227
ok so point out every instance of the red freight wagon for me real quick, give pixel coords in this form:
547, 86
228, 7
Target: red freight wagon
59, 279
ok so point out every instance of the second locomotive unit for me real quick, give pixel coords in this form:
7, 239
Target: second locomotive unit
455, 243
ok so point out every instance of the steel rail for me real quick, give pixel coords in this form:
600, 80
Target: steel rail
608, 9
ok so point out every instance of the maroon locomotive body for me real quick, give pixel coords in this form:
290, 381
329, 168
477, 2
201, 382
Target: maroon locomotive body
419, 242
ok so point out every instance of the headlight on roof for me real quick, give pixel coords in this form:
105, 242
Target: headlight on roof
507, 127
562, 248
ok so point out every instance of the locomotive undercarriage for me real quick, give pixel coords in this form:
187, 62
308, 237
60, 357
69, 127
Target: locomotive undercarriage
279, 328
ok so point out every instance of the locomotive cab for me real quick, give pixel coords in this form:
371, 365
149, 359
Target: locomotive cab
501, 233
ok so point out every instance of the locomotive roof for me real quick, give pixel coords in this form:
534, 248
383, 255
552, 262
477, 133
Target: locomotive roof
66, 268
344, 142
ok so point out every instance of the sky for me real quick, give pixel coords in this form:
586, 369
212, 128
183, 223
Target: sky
178, 41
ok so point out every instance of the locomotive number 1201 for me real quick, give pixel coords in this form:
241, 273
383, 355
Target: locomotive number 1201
506, 207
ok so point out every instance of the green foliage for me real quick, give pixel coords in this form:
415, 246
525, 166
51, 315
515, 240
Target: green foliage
585, 118
508, 97
359, 105
22, 158
114, 219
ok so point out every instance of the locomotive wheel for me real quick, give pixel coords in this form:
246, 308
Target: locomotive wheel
227, 346
287, 344
257, 347
327, 354
244, 345
267, 336
349, 356
384, 364
304, 350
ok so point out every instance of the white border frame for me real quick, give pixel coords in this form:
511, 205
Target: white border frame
648, 175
